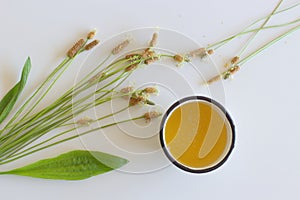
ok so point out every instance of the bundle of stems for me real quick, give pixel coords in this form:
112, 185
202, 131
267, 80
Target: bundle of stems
25, 128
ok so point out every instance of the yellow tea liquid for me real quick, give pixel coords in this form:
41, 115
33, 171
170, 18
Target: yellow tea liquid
197, 134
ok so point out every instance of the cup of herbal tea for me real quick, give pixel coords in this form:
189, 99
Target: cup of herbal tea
197, 134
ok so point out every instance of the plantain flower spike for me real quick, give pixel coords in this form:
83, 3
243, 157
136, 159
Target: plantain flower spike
153, 42
91, 34
85, 121
91, 45
150, 90
120, 47
75, 48
148, 116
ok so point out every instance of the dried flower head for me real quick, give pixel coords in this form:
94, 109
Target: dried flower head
131, 67
201, 52
85, 121
91, 45
154, 40
133, 56
148, 53
75, 48
150, 90
134, 100
91, 34
178, 58
120, 47
230, 71
210, 52
214, 79
234, 60
148, 116
127, 90
151, 60
234, 69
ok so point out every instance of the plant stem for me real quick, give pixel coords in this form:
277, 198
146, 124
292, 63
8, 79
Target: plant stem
68, 139
262, 48
35, 118
219, 44
58, 135
58, 68
259, 29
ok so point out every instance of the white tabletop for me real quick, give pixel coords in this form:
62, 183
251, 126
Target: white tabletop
262, 98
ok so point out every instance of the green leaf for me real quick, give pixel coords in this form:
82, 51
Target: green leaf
9, 100
74, 165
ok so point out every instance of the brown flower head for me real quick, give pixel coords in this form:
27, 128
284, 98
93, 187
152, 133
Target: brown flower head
131, 67
85, 121
154, 40
75, 48
150, 90
91, 45
120, 47
127, 90
201, 52
148, 116
234, 60
91, 35
151, 60
178, 58
134, 100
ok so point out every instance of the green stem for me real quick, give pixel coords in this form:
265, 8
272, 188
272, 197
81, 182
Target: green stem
57, 69
264, 28
251, 39
58, 135
35, 119
44, 127
225, 41
27, 139
262, 48
68, 139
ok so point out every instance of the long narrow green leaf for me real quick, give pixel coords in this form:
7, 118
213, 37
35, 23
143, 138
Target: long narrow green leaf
9, 100
74, 165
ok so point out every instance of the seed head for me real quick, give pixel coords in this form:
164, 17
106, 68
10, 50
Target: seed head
178, 58
75, 48
210, 52
201, 52
120, 47
148, 53
131, 67
91, 45
234, 69
148, 116
126, 90
154, 40
151, 60
134, 100
91, 35
214, 79
150, 90
133, 56
85, 121
234, 60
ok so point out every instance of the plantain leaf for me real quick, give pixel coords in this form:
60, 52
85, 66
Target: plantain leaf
9, 100
74, 165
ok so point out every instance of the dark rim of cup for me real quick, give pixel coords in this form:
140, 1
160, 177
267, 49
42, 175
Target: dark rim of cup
168, 154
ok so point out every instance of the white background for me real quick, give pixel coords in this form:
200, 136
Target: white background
263, 98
